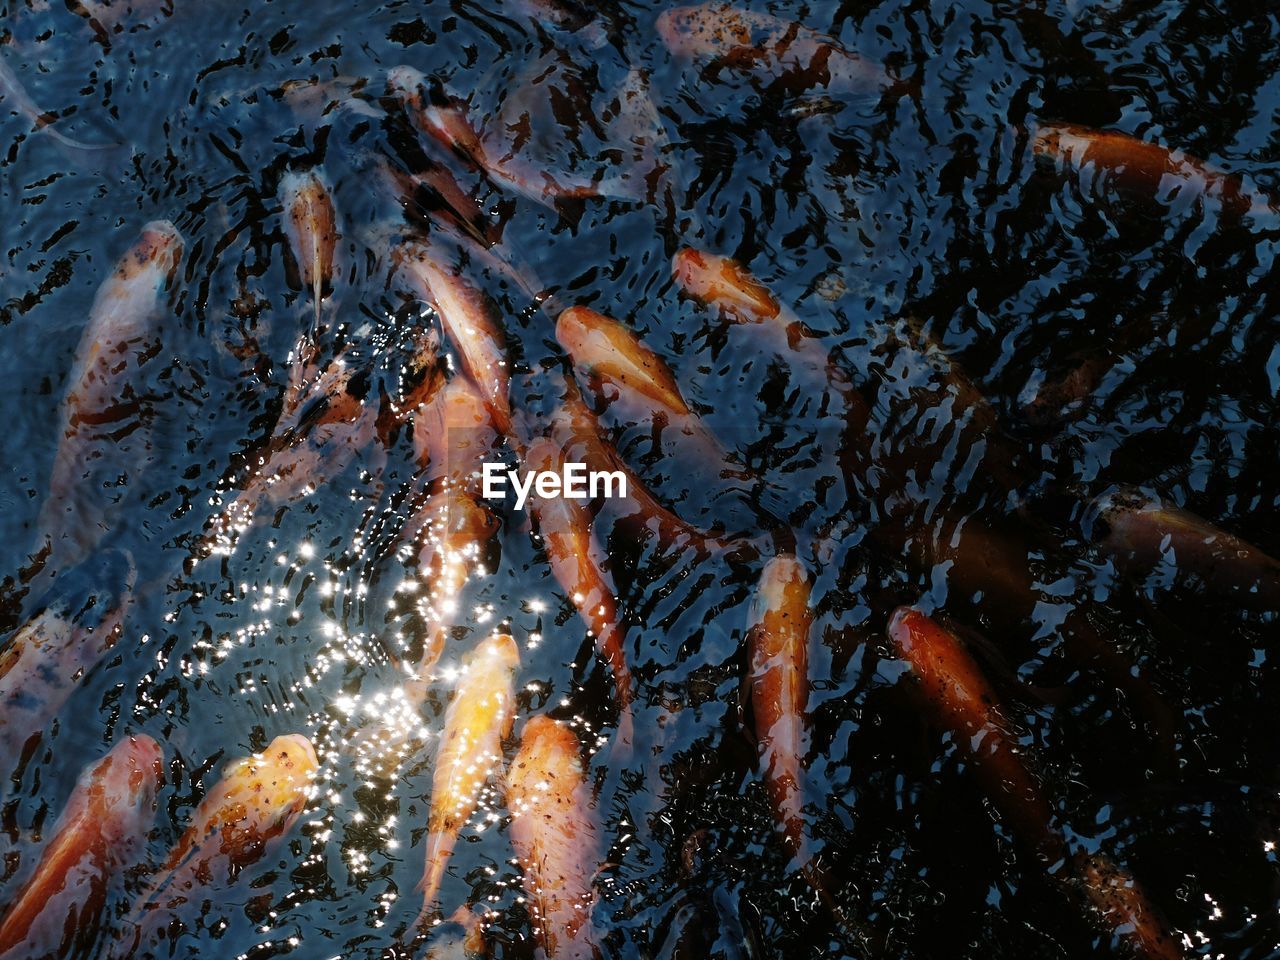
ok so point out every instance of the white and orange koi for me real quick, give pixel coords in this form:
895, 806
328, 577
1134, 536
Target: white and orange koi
107, 412
256, 802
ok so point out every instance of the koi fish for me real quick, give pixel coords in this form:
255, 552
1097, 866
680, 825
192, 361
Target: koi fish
623, 372
446, 121
961, 701
256, 802
1153, 540
771, 49
432, 194
100, 834
311, 225
453, 437
42, 662
556, 838
716, 921
471, 322
575, 557
778, 641
606, 349
726, 286
107, 410
478, 719
578, 434
993, 563
420, 382
1148, 170
452, 533
452, 530
778, 646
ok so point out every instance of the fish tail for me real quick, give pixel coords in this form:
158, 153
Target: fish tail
74, 144
439, 846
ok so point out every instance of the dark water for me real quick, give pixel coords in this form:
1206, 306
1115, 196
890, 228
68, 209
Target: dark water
856, 211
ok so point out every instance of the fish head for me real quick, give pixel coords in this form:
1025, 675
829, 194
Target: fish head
268, 790
546, 737
1109, 517
159, 250
782, 594
301, 187
118, 792
499, 652
702, 28
409, 86
133, 770
906, 626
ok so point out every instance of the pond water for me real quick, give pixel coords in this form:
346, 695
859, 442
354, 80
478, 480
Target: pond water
1029, 323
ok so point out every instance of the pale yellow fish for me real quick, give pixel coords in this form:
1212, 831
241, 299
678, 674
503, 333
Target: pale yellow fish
477, 721
778, 641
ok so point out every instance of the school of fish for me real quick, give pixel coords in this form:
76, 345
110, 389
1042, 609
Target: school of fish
461, 398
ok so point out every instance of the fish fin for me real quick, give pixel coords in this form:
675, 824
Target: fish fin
73, 144
317, 287
1001, 671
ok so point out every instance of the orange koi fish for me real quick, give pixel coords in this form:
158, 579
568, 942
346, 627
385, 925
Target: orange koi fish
1147, 170
771, 49
576, 561
961, 701
101, 832
1148, 537
778, 641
